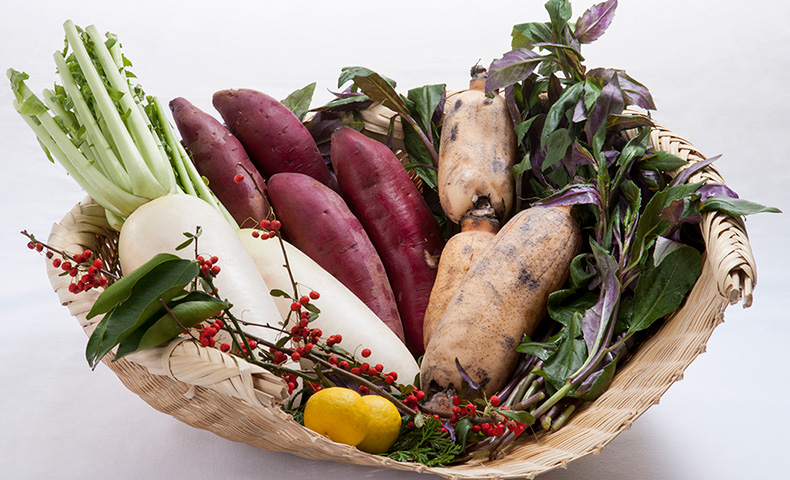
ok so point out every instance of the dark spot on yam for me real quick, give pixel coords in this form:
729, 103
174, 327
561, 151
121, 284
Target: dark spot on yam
458, 104
488, 101
454, 132
526, 278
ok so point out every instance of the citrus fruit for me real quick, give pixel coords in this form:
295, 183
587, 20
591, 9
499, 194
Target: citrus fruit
338, 413
384, 425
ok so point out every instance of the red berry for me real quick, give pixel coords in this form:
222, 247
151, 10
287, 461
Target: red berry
332, 359
419, 394
224, 347
98, 263
296, 306
31, 245
275, 225
238, 178
356, 370
252, 343
39, 247
366, 352
56, 262
66, 266
394, 375
343, 364
304, 300
456, 401
338, 338
215, 269
363, 390
379, 367
494, 400
308, 347
389, 380
314, 295
204, 341
456, 410
364, 367
265, 224
255, 234
296, 356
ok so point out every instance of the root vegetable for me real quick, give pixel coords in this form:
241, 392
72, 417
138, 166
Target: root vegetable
478, 230
317, 220
272, 135
477, 152
502, 297
342, 312
159, 226
220, 157
398, 220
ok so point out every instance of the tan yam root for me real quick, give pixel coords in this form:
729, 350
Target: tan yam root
502, 297
477, 151
458, 255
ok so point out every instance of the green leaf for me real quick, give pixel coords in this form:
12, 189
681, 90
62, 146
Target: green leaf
191, 310
347, 74
735, 206
426, 99
542, 350
563, 305
526, 34
661, 161
650, 224
599, 384
579, 276
462, 429
567, 101
342, 102
522, 128
570, 355
661, 289
557, 147
518, 415
559, 12
279, 293
379, 90
121, 289
162, 283
299, 101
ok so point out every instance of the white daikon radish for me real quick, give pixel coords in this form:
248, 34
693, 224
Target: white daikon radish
341, 311
159, 227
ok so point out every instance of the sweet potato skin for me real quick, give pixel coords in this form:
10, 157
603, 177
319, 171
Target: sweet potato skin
406, 234
219, 156
319, 223
502, 297
273, 136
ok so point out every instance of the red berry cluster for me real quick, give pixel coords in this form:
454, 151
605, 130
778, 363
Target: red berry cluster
253, 344
208, 266
85, 273
207, 334
490, 429
270, 228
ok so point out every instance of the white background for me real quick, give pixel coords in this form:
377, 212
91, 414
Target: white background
718, 70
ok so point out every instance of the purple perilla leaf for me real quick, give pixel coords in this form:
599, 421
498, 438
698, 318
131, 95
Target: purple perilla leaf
715, 189
573, 195
610, 102
594, 22
513, 67
634, 93
693, 168
596, 319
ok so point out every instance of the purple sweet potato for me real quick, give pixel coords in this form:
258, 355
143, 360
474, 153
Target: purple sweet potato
318, 222
398, 220
220, 157
273, 136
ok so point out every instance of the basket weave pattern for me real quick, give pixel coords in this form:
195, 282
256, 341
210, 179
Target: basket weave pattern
239, 401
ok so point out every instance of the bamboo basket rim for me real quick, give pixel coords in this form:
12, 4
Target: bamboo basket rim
210, 390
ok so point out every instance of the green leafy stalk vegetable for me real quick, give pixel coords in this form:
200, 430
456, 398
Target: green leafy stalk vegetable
109, 136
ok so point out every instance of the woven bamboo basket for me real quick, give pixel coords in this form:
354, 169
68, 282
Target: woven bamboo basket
211, 390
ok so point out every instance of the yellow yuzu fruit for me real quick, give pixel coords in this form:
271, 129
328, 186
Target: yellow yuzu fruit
384, 426
338, 413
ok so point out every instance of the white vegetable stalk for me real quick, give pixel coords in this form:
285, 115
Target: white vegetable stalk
112, 139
